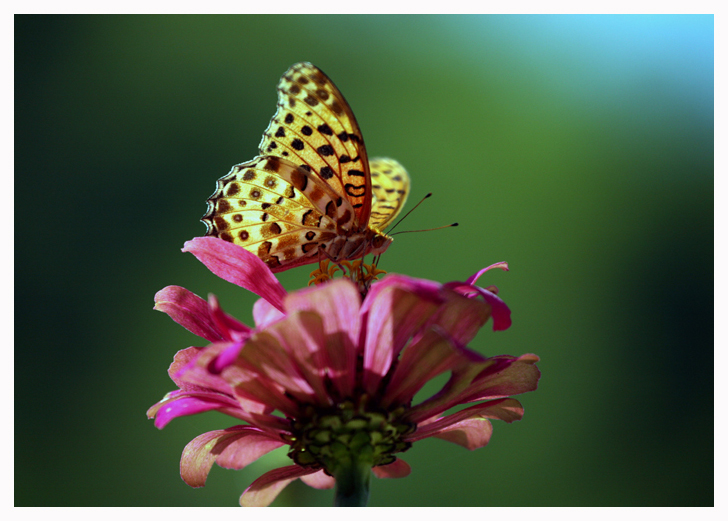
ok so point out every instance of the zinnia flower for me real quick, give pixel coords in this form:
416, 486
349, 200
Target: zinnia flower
333, 376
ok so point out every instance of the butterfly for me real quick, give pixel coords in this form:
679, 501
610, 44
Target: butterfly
312, 193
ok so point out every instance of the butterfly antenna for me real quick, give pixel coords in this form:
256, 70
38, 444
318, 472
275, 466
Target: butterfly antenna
428, 229
412, 210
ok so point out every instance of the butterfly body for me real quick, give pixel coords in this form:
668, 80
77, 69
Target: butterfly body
312, 194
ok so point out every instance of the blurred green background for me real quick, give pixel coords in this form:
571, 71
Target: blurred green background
577, 148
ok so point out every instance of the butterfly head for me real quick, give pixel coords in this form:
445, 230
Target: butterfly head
378, 242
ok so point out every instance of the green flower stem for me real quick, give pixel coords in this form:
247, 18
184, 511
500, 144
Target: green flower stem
352, 483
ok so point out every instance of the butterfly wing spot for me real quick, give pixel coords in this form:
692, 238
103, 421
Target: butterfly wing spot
354, 190
309, 247
271, 230
232, 190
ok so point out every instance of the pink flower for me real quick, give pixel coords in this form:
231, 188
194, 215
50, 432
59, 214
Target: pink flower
342, 371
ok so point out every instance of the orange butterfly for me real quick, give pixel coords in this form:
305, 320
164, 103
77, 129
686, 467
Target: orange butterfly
312, 193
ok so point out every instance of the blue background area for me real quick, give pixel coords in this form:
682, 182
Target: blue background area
577, 148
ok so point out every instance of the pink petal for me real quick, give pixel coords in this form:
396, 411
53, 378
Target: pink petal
237, 265
267, 487
397, 469
507, 376
496, 377
470, 427
231, 328
196, 372
426, 357
473, 278
426, 289
471, 434
250, 388
235, 448
181, 359
461, 317
396, 314
265, 314
185, 403
449, 396
319, 480
270, 423
500, 312
226, 358
337, 303
200, 372
188, 310
302, 335
271, 362
240, 451
164, 413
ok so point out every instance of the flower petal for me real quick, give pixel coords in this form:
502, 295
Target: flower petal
471, 434
395, 315
202, 372
233, 448
231, 328
497, 377
429, 354
470, 427
499, 310
237, 265
337, 303
265, 314
302, 335
397, 469
427, 289
240, 451
264, 356
473, 278
184, 403
181, 359
461, 317
188, 310
319, 480
226, 358
197, 371
266, 488
471, 365
507, 376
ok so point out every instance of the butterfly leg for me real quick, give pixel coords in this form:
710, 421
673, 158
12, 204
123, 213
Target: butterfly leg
327, 268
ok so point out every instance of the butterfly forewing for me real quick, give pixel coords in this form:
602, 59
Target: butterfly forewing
314, 127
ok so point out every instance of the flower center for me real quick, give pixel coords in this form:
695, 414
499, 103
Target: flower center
351, 431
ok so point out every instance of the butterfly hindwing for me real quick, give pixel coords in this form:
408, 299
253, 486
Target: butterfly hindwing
390, 187
275, 209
